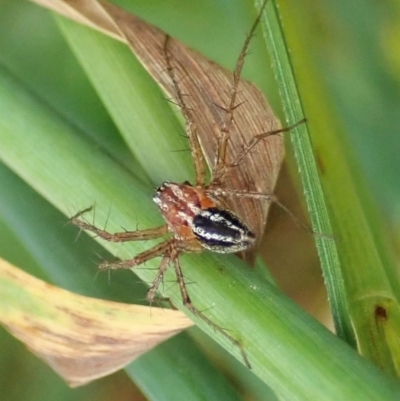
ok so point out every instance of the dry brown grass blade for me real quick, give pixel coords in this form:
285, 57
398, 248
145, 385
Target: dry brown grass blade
206, 86
81, 338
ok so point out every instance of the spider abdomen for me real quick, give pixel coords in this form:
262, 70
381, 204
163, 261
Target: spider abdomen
220, 230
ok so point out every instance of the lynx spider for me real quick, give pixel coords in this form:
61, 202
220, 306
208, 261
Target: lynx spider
194, 214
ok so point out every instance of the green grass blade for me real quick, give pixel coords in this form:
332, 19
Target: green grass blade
38, 238
355, 266
149, 127
196, 380
309, 174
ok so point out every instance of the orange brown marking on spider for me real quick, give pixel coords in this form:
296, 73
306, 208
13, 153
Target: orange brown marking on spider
179, 204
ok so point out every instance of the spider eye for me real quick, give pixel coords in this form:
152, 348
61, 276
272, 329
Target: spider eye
221, 231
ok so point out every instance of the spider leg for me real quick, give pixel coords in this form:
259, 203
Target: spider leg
220, 158
218, 191
258, 195
137, 235
157, 250
257, 139
191, 129
151, 294
188, 304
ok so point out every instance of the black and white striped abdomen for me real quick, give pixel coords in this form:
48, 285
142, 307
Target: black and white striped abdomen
221, 231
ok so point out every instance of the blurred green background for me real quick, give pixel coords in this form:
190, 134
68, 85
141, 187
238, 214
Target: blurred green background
346, 57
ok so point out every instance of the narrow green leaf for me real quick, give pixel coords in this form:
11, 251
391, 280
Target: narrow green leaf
308, 169
50, 248
356, 267
150, 126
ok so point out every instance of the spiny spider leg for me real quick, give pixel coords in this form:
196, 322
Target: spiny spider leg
220, 159
157, 250
188, 304
258, 195
241, 194
137, 235
257, 139
151, 294
191, 129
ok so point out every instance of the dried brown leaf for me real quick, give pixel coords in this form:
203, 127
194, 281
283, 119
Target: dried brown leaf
207, 86
81, 338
